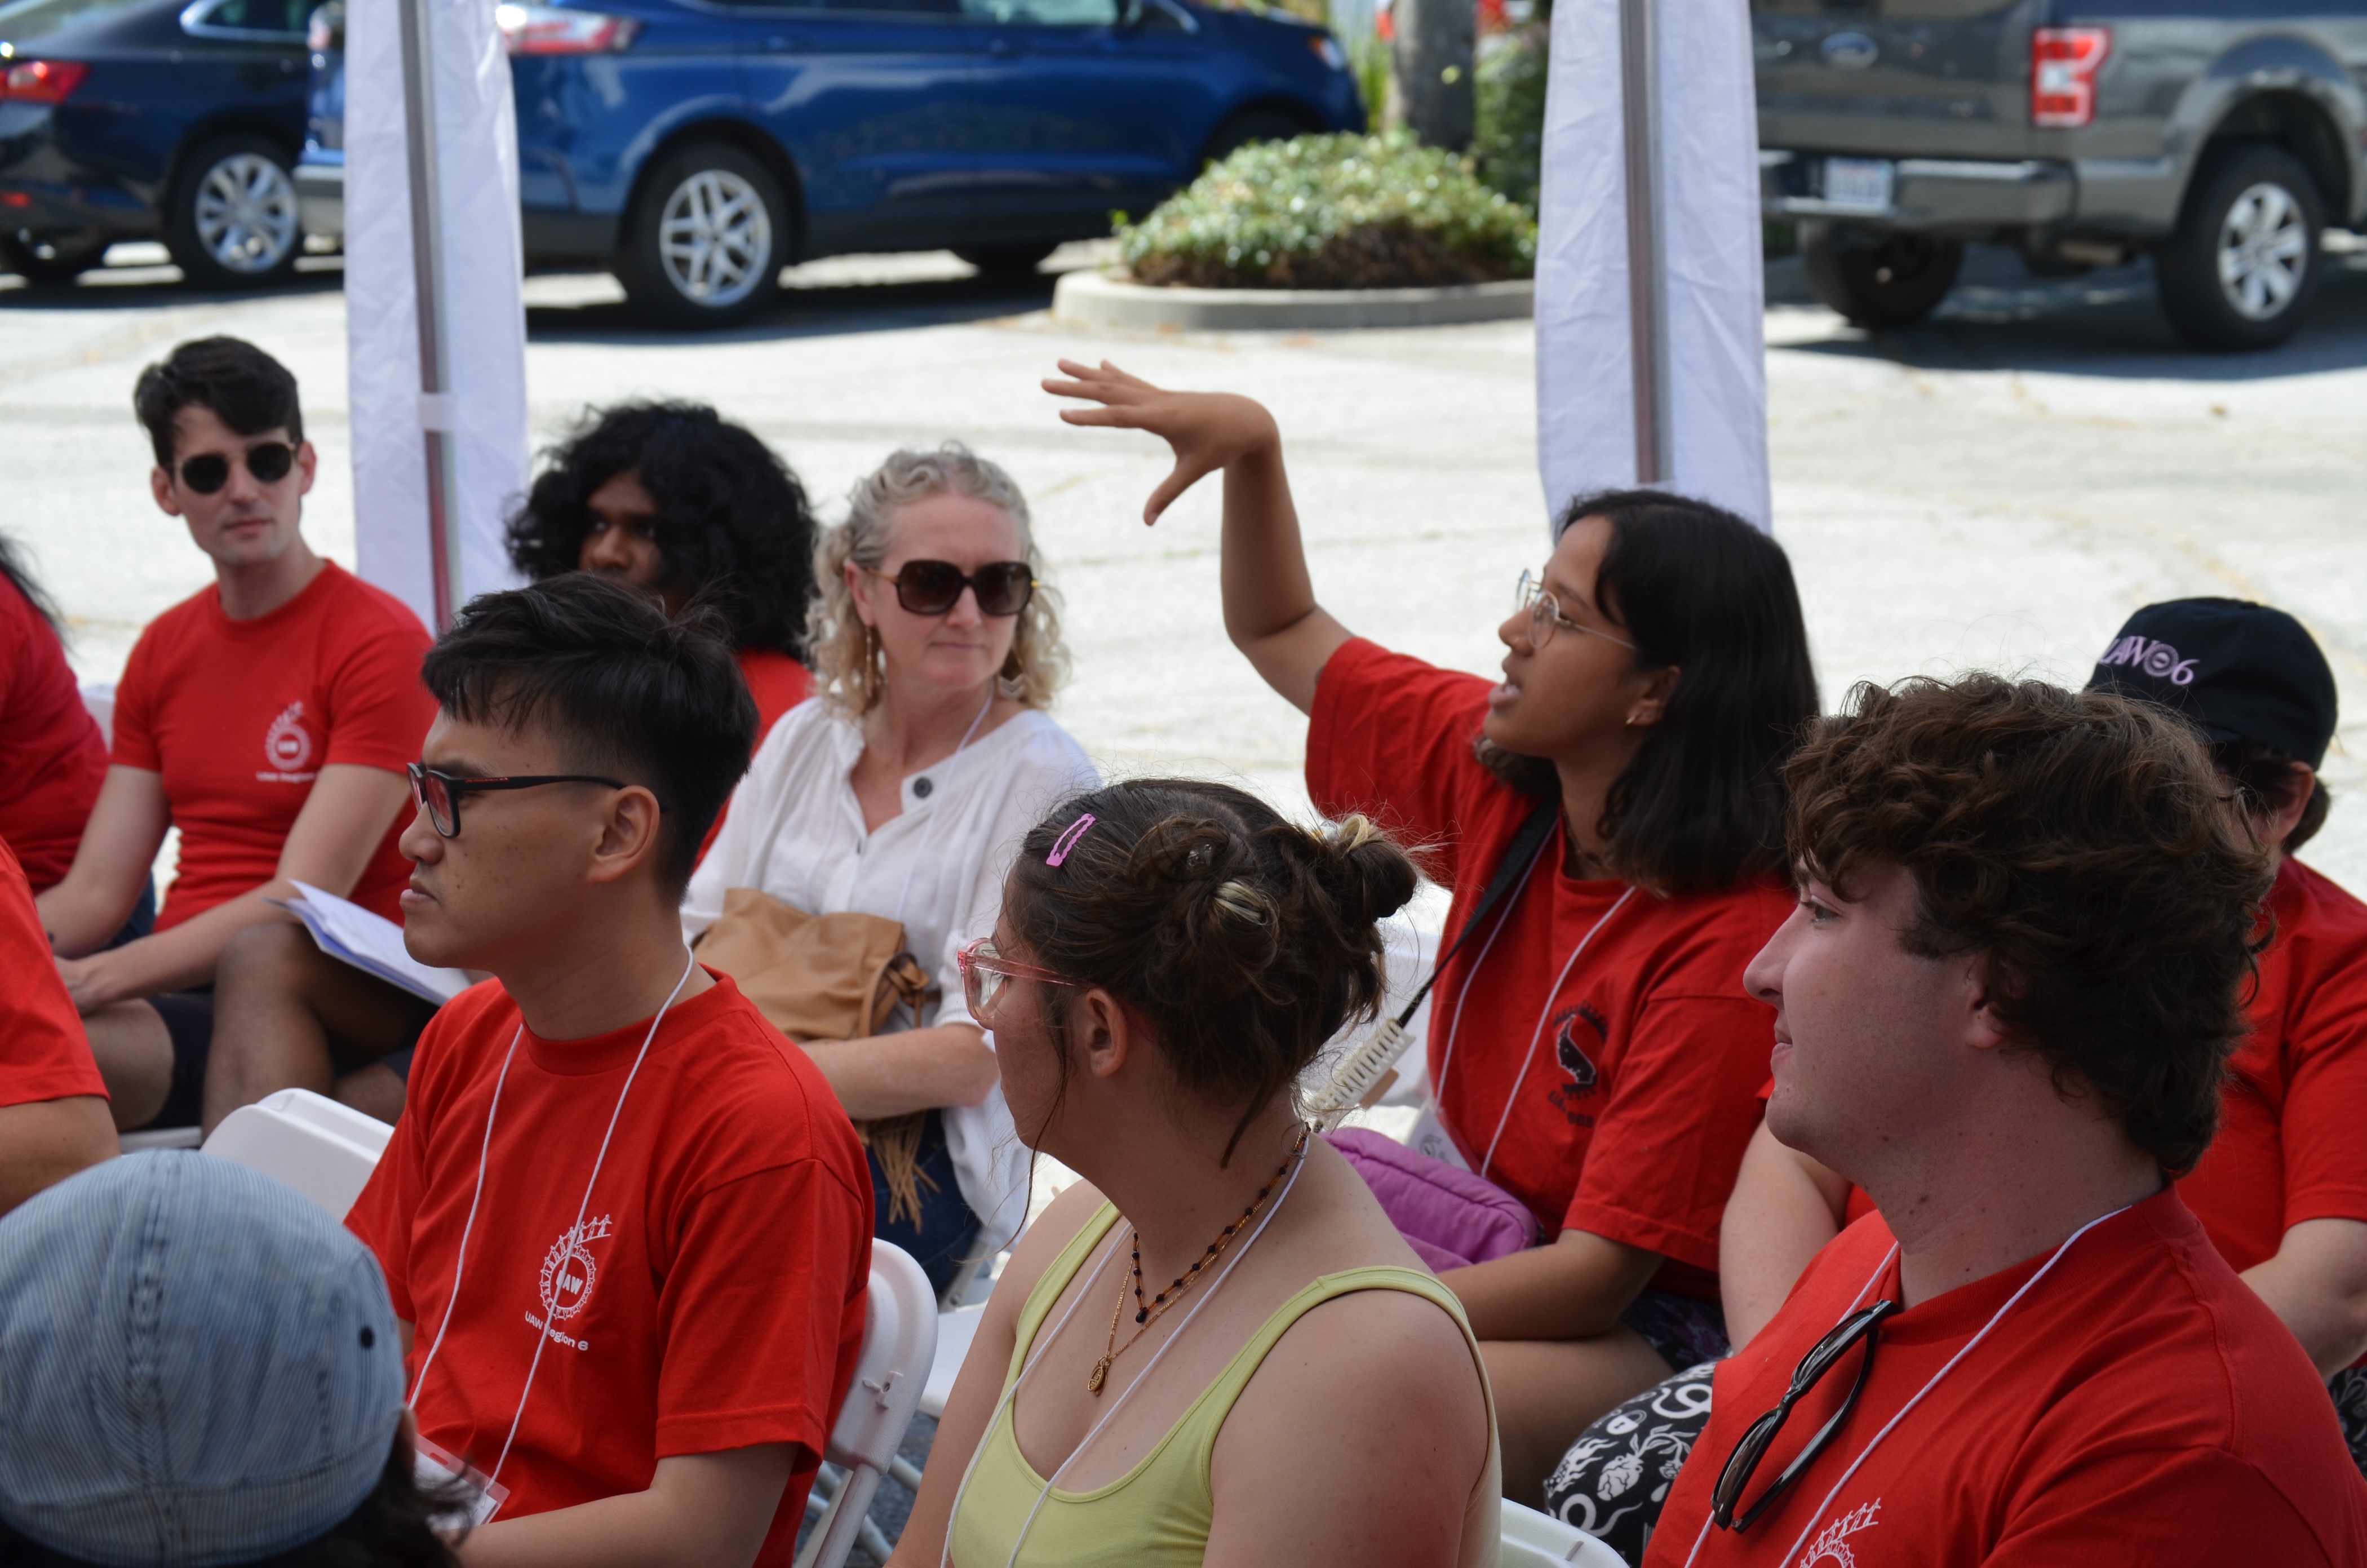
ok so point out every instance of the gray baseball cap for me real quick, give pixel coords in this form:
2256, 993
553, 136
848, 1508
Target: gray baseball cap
197, 1366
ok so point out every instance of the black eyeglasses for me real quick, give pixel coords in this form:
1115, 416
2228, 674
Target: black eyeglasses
933, 587
439, 794
269, 463
1821, 1358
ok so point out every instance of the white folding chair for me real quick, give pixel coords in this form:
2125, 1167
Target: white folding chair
324, 1149
900, 1342
1539, 1540
956, 1329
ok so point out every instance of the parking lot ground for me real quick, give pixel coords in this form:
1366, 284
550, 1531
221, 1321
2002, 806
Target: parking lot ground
1997, 488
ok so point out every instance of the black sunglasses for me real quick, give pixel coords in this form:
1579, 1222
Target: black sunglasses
268, 462
439, 793
1822, 1358
933, 587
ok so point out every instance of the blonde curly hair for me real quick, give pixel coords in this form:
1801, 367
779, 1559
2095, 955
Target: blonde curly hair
849, 669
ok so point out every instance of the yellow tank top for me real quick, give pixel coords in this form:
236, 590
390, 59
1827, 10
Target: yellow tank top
1157, 1514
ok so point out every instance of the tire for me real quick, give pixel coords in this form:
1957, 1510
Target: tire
1880, 282
1249, 125
1005, 261
706, 240
232, 220
49, 260
2241, 268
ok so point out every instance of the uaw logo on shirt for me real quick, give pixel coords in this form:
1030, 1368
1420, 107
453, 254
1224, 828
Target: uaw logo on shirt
1584, 1077
1833, 1545
568, 1275
287, 747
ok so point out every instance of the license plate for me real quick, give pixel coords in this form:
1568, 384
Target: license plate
1862, 183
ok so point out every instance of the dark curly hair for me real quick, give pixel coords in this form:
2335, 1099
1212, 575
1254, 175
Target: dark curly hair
395, 1526
1701, 806
2079, 840
1245, 940
734, 528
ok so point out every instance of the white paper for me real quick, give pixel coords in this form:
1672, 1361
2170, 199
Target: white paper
476, 134
348, 932
1714, 283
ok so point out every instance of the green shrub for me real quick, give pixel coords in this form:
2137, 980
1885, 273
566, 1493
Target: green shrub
1334, 212
1508, 113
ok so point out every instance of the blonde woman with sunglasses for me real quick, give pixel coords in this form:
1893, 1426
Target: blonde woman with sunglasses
901, 789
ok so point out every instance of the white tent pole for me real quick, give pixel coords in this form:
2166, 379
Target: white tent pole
1647, 293
428, 274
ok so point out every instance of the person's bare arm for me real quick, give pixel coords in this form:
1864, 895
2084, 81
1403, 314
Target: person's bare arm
2318, 1284
1357, 1443
701, 1511
1270, 608
889, 1074
1784, 1209
343, 820
978, 1388
1573, 1289
43, 1142
119, 841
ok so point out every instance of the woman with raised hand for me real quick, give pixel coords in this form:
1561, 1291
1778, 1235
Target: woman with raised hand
1216, 1348
1591, 1050
901, 793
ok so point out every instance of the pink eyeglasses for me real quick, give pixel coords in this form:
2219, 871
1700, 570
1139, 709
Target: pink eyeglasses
987, 975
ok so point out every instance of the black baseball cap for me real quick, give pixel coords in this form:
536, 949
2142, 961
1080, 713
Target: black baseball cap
2239, 671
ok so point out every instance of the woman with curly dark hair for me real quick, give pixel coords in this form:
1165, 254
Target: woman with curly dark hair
675, 498
670, 497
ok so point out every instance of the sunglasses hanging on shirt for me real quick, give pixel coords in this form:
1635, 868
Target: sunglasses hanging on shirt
934, 587
268, 462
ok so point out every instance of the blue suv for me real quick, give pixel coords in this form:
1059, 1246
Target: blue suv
694, 148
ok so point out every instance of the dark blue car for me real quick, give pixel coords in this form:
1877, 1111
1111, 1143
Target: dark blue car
124, 120
694, 148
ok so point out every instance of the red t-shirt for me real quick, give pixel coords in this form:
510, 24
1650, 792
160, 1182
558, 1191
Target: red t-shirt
1626, 1098
241, 716
44, 1055
714, 1296
2140, 1404
778, 683
52, 754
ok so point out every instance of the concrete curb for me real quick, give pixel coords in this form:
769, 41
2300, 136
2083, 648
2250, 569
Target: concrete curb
1096, 299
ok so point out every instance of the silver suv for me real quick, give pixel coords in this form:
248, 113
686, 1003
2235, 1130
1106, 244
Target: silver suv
2221, 136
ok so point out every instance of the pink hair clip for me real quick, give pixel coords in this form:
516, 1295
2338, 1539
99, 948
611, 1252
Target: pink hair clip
1068, 840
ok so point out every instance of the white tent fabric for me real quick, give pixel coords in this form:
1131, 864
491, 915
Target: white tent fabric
1716, 394
475, 137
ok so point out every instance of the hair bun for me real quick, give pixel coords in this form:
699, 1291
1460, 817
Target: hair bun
1368, 877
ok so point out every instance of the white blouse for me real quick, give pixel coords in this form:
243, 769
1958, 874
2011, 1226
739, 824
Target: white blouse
796, 832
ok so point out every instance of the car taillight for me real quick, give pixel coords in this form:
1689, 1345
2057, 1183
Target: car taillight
2063, 66
548, 29
40, 81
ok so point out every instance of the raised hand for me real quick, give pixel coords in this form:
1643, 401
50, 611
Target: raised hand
1208, 430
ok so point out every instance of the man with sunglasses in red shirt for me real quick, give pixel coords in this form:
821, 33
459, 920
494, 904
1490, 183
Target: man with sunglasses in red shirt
2005, 1005
268, 717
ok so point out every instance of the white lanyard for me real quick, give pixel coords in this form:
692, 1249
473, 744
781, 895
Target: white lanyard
1867, 1452
1044, 1343
543, 1337
1446, 1050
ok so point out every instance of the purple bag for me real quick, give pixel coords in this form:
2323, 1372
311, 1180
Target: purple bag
1451, 1218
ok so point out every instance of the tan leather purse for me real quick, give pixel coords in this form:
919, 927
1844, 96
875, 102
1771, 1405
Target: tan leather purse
825, 977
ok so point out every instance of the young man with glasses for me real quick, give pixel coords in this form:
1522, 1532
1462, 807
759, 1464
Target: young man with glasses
2005, 1006
627, 1218
268, 717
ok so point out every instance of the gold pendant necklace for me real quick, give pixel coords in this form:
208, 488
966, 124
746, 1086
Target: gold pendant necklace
1148, 1313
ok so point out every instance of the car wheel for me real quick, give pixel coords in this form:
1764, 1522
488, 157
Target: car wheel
1249, 125
232, 223
49, 258
1880, 282
2241, 268
705, 242
1005, 261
